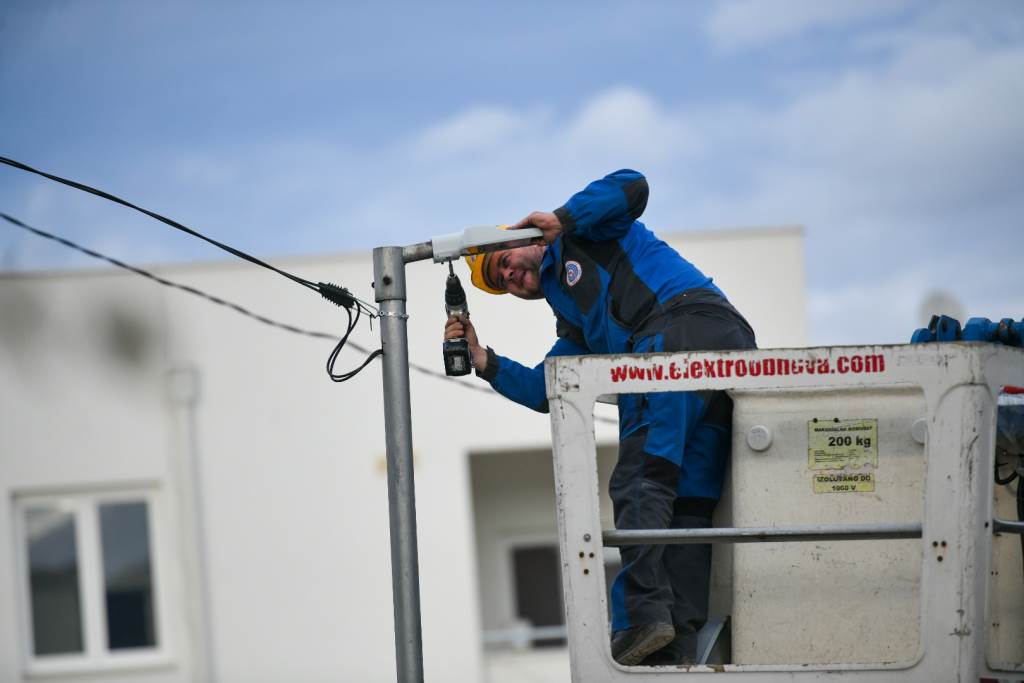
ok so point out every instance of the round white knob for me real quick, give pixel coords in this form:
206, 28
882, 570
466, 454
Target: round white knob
919, 430
759, 438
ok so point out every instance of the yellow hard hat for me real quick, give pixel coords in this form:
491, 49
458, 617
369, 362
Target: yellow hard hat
478, 271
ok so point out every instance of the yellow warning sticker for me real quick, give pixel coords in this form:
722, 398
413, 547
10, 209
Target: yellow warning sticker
844, 482
834, 444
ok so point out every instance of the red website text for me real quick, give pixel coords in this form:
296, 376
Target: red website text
741, 367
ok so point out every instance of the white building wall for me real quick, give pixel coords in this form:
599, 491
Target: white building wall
285, 509
80, 417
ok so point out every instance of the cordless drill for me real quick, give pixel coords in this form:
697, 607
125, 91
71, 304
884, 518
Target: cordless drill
456, 351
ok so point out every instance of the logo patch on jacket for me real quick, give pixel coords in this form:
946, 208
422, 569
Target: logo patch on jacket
573, 272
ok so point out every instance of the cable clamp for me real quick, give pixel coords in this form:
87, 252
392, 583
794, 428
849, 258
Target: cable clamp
389, 314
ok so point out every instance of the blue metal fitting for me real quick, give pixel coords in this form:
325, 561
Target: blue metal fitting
1010, 332
946, 328
922, 335
979, 330
943, 328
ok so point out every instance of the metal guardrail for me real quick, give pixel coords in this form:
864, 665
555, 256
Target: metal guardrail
812, 532
1007, 526
781, 534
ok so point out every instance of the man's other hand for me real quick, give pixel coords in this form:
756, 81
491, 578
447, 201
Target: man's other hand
457, 327
546, 221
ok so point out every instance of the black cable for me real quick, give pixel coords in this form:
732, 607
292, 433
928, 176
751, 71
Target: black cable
1006, 481
333, 293
339, 295
168, 283
233, 306
332, 359
162, 219
1009, 479
263, 319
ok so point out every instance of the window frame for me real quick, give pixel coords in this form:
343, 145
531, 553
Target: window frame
514, 635
96, 655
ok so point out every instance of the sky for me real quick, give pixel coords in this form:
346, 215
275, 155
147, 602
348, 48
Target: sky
890, 130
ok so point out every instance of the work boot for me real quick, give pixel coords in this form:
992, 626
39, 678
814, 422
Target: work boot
632, 645
681, 651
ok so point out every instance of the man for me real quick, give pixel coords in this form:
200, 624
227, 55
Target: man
616, 288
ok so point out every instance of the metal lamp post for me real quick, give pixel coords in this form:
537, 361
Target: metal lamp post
390, 292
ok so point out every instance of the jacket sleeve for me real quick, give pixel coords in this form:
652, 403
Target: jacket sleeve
522, 384
606, 208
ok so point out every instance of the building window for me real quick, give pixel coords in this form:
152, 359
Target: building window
127, 575
54, 581
536, 578
90, 596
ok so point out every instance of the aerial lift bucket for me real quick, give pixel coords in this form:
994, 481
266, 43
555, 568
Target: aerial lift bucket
859, 535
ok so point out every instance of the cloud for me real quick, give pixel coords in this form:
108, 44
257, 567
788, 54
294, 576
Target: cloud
748, 24
477, 130
902, 161
945, 135
892, 165
878, 310
628, 123
616, 123
492, 163
886, 308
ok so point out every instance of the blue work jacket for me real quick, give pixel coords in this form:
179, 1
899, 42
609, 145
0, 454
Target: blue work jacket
606, 278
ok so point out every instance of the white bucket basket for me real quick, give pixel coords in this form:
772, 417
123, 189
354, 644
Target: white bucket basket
856, 538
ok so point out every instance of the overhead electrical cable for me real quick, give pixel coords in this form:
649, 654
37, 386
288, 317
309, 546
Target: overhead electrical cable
228, 304
340, 296
152, 214
336, 294
176, 285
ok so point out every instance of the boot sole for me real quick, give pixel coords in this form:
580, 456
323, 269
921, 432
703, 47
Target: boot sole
661, 636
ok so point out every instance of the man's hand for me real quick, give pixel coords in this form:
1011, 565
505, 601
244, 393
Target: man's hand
457, 327
546, 221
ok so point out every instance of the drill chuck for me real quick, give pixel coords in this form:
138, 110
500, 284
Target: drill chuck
455, 297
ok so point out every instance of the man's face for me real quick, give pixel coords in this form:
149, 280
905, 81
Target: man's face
517, 270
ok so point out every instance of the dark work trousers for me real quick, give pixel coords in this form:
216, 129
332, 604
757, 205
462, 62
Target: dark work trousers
669, 475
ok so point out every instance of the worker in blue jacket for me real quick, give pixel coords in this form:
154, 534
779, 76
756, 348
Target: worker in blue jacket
615, 287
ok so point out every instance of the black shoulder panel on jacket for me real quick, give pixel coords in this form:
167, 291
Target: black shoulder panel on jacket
631, 299
566, 219
636, 196
566, 330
